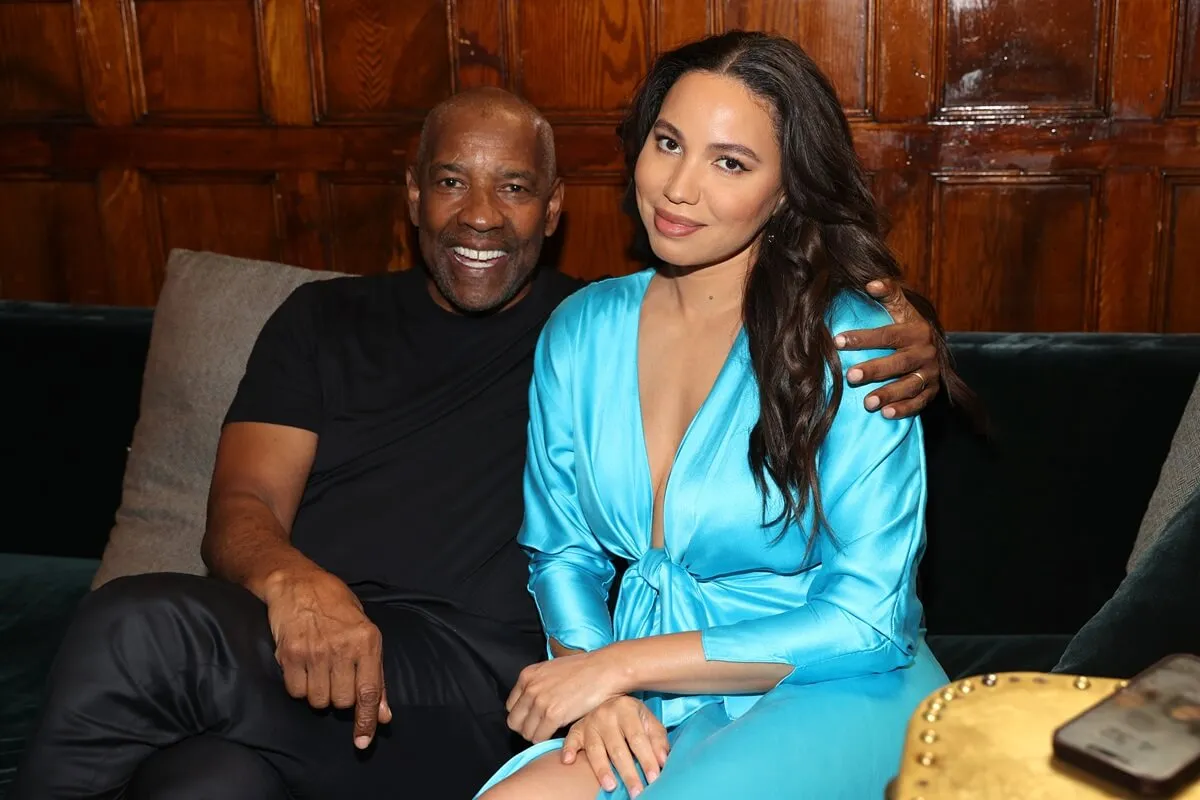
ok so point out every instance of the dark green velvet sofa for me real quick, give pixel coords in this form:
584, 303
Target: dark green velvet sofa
1029, 530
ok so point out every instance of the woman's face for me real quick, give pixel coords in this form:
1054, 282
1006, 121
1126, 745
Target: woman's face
708, 176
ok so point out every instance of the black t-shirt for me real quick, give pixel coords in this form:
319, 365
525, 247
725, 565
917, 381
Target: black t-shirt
416, 489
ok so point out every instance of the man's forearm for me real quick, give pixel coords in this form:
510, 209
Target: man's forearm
245, 544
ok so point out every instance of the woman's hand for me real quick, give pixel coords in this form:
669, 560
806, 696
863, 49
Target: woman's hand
618, 731
552, 694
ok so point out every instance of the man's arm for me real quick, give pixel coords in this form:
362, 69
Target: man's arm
328, 649
919, 368
259, 478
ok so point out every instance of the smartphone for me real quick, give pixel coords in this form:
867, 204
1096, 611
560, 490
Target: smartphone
1144, 737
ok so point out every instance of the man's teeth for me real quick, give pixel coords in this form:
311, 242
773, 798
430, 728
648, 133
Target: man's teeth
478, 255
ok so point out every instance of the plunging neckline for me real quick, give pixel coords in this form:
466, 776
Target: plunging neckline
648, 472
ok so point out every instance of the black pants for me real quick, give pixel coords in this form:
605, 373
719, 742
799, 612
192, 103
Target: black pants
166, 686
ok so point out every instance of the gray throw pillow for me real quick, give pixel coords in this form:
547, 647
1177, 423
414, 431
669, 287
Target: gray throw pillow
208, 317
1177, 481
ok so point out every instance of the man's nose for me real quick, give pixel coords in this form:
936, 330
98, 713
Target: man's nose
480, 212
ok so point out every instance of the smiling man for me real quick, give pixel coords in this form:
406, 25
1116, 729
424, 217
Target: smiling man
368, 612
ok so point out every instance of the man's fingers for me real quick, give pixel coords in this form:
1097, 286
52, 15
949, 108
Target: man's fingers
909, 408
295, 679
385, 710
886, 291
341, 685
318, 681
885, 368
367, 690
904, 388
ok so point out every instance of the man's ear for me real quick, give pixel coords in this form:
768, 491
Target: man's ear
414, 196
554, 207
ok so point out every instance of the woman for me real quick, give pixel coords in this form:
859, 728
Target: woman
767, 638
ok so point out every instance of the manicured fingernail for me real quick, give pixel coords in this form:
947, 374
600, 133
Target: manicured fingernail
361, 742
839, 340
609, 784
651, 775
889, 412
855, 375
872, 403
635, 791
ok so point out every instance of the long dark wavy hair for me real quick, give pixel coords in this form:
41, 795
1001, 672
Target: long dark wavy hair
826, 238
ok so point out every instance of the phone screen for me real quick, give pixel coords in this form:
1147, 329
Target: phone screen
1151, 728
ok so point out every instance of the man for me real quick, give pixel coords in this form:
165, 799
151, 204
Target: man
368, 612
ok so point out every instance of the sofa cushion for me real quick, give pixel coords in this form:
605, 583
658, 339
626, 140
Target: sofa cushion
209, 314
1178, 479
38, 596
1153, 612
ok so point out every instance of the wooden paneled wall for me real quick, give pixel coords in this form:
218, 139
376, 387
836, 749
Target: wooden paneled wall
1040, 159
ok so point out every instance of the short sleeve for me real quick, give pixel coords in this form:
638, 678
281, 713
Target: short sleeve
282, 382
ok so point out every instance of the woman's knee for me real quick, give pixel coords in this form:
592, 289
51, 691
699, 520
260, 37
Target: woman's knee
547, 778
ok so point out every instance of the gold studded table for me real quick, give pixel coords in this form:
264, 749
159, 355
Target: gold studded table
990, 738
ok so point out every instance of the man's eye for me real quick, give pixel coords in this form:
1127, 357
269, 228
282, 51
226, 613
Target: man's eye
514, 188
450, 183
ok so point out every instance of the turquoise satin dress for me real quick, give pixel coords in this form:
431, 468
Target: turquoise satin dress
845, 615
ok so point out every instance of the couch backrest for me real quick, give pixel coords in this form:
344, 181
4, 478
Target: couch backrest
1028, 532
71, 379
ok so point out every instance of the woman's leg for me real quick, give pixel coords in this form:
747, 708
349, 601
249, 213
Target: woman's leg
840, 740
547, 778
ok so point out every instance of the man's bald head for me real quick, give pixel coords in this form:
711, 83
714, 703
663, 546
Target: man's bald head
484, 195
484, 103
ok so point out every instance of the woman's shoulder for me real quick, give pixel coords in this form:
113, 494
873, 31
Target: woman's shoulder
855, 310
599, 303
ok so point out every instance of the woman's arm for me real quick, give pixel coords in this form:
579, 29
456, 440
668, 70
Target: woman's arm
862, 615
570, 574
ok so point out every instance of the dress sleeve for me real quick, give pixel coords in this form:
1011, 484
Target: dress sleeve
862, 615
570, 574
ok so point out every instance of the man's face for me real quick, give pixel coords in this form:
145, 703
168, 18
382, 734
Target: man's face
483, 205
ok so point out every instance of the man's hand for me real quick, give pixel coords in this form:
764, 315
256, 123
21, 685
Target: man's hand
328, 649
913, 369
619, 731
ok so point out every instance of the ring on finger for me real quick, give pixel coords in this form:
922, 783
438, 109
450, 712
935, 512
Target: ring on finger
924, 383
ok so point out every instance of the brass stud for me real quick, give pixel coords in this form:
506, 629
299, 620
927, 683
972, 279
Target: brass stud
990, 680
926, 759
948, 695
930, 717
929, 737
936, 706
1122, 684
1082, 683
966, 687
